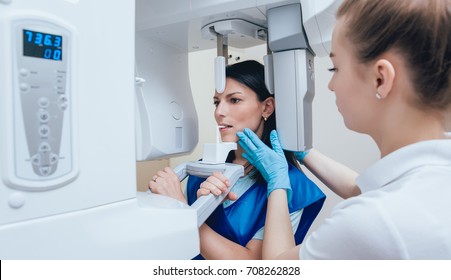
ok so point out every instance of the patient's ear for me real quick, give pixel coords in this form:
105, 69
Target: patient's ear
268, 107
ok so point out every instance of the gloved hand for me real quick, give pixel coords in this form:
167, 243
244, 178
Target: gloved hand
301, 155
271, 163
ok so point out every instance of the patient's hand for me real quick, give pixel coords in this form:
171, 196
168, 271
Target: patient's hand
216, 184
166, 182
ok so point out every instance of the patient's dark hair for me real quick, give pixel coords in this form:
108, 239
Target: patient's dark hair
252, 74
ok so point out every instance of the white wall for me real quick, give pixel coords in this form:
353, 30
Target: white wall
330, 137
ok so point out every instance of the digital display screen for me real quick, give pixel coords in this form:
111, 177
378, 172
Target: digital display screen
42, 45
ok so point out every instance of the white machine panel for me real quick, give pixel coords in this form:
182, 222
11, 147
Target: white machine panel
67, 150
166, 117
319, 18
294, 81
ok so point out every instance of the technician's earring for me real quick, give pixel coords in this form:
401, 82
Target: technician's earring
265, 118
378, 96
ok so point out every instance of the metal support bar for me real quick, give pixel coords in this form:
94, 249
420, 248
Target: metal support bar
222, 47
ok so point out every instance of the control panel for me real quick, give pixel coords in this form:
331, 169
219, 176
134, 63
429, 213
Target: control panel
42, 105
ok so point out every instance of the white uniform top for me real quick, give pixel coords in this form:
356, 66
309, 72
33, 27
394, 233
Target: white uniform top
404, 211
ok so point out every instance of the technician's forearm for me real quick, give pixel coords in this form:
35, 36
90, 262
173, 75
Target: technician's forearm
278, 236
336, 176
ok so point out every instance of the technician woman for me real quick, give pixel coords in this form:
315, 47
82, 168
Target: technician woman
235, 229
392, 81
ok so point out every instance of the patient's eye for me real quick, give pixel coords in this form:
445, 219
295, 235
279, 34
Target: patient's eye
234, 100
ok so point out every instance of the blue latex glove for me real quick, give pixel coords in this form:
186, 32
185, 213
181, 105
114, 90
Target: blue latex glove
301, 155
271, 163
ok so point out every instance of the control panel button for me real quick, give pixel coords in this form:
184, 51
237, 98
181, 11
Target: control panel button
24, 73
43, 102
44, 147
24, 87
36, 159
62, 101
53, 159
44, 130
43, 116
45, 170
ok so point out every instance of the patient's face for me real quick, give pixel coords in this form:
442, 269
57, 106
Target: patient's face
237, 108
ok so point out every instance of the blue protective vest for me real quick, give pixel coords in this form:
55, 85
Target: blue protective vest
240, 221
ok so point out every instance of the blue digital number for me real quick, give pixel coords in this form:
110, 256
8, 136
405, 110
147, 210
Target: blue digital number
29, 35
57, 55
47, 40
38, 39
57, 42
48, 53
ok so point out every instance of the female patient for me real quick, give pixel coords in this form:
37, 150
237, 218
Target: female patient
235, 229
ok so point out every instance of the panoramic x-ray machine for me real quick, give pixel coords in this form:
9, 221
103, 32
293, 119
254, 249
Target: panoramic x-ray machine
87, 88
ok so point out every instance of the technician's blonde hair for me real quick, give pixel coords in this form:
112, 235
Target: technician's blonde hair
418, 29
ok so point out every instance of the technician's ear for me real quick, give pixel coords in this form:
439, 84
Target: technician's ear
384, 77
268, 107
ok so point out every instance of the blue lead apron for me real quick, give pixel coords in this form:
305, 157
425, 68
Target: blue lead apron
241, 220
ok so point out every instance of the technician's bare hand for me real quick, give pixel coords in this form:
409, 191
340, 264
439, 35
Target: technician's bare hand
166, 182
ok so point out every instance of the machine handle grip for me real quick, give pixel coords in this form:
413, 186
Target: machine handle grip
180, 170
205, 205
